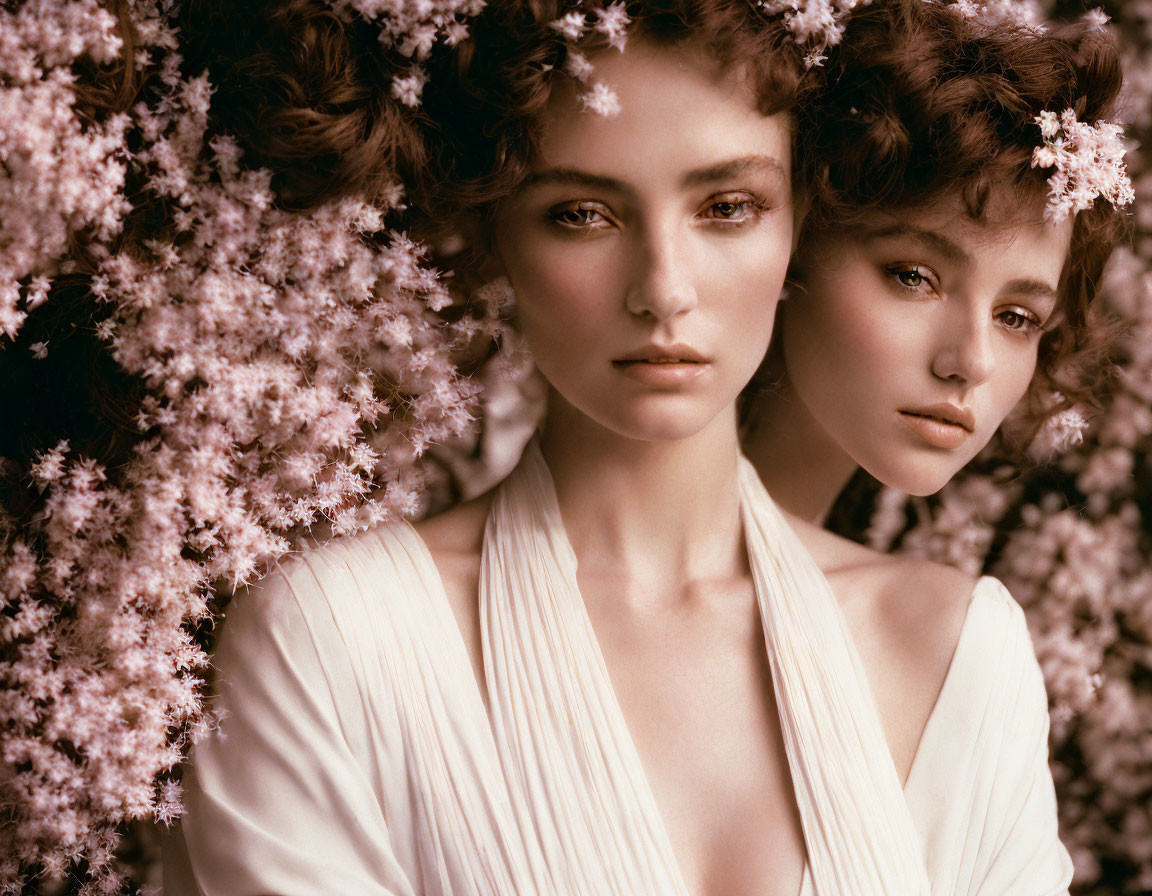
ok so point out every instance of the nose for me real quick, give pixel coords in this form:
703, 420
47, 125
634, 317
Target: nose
965, 354
662, 284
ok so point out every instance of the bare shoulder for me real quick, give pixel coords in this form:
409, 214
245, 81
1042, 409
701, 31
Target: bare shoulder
906, 617
916, 602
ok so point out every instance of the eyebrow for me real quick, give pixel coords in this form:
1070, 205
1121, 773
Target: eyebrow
1036, 289
750, 164
950, 250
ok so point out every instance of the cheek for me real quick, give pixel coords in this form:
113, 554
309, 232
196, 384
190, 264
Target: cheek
844, 338
561, 293
1015, 371
748, 279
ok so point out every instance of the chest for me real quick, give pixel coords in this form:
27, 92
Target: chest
694, 687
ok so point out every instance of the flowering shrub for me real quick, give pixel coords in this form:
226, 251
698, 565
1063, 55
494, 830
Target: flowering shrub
201, 378
1072, 540
258, 352
59, 175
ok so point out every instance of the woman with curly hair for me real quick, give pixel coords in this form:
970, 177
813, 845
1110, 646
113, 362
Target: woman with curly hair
621, 671
966, 192
945, 271
499, 700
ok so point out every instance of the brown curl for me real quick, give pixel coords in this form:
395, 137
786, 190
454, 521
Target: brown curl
485, 99
922, 101
308, 94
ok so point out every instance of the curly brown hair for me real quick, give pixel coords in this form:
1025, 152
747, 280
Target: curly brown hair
923, 101
484, 99
307, 93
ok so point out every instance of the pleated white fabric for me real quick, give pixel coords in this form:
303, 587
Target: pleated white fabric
857, 827
357, 755
553, 710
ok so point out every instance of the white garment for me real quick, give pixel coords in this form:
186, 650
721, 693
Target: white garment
358, 757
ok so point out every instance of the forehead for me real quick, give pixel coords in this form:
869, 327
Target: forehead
676, 107
1013, 225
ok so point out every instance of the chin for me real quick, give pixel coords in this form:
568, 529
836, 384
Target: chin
657, 418
917, 479
658, 430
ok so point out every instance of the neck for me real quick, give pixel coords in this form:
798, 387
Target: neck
802, 467
660, 512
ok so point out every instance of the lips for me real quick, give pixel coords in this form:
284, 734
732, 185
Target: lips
663, 366
663, 354
940, 425
945, 413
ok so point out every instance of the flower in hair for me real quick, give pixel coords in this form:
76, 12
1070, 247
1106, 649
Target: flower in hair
612, 21
601, 99
819, 24
408, 88
1024, 14
579, 66
1097, 18
572, 25
1089, 163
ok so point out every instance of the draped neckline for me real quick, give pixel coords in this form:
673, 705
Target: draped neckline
555, 718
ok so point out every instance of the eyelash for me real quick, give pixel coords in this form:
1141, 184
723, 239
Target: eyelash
558, 214
899, 270
752, 206
1028, 324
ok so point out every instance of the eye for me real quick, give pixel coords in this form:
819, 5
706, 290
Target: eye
912, 277
1019, 320
579, 216
735, 209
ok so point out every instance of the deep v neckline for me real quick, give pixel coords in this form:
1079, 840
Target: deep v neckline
564, 744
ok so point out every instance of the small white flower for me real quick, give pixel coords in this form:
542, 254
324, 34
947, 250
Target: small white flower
408, 88
612, 21
39, 350
1060, 432
571, 26
1049, 124
601, 99
578, 66
1097, 18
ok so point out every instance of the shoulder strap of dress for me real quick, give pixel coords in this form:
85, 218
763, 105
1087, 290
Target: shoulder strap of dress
554, 713
857, 826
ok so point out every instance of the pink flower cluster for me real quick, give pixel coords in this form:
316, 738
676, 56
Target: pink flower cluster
1089, 163
296, 368
817, 24
1073, 542
60, 175
414, 28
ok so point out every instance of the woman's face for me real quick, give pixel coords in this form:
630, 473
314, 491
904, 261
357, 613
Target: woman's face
647, 251
914, 336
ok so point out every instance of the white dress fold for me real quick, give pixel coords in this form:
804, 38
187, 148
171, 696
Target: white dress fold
357, 756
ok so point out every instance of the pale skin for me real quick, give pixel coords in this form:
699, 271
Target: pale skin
916, 310
671, 226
